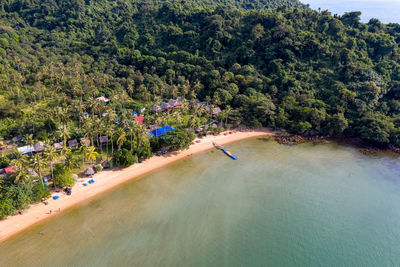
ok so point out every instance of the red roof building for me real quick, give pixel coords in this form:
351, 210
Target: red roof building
139, 119
9, 169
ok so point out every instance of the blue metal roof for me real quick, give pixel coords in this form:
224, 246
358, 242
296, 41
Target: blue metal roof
161, 131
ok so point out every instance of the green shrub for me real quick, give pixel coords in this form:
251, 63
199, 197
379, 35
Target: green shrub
98, 168
39, 192
124, 158
6, 208
64, 178
4, 162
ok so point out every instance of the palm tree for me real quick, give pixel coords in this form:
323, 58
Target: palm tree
228, 111
69, 160
38, 165
121, 137
29, 140
83, 150
111, 117
91, 154
51, 155
141, 133
20, 164
63, 132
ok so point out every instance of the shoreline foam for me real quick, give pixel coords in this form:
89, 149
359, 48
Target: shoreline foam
106, 180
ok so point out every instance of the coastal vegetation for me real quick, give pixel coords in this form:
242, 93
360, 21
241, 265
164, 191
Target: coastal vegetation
86, 70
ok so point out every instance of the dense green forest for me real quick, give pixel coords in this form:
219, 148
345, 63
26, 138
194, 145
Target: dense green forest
291, 68
301, 70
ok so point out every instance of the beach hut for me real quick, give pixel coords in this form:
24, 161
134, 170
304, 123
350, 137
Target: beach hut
39, 146
73, 143
89, 172
26, 150
161, 131
214, 125
104, 164
58, 146
155, 108
103, 140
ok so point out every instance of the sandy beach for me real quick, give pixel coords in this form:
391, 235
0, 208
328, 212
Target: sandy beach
111, 178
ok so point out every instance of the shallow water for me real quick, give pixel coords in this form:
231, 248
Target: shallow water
385, 10
304, 205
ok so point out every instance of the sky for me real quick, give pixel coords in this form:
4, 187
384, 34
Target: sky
384, 10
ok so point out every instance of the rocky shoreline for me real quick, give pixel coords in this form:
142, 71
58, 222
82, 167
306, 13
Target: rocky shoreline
363, 147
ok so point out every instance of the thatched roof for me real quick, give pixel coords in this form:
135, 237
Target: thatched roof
214, 125
89, 171
73, 143
58, 146
215, 111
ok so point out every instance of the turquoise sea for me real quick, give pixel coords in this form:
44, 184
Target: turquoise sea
278, 205
385, 10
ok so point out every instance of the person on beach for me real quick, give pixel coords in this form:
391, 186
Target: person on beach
50, 211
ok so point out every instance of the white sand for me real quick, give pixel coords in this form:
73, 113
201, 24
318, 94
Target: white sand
109, 179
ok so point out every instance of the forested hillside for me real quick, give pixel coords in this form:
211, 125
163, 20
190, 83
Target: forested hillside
297, 69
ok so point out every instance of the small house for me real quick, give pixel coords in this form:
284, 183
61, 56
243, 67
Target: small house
103, 140
58, 146
39, 146
139, 119
103, 99
165, 106
26, 150
197, 130
215, 111
9, 169
155, 108
73, 143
